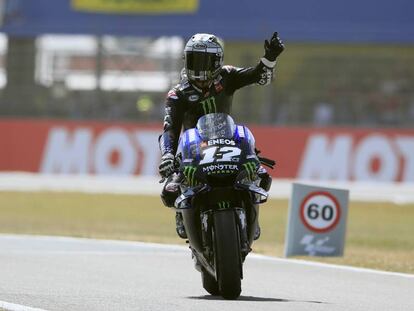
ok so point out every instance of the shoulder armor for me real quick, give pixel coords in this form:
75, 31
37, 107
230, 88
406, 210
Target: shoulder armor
172, 94
179, 89
184, 85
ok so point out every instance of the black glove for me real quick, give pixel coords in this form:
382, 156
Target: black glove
273, 48
166, 167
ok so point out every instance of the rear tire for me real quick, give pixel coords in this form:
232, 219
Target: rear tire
227, 248
209, 283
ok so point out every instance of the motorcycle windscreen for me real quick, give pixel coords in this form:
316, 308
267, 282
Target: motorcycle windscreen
216, 125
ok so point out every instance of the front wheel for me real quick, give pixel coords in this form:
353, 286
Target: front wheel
228, 258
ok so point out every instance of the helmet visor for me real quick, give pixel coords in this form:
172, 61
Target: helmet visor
202, 61
201, 65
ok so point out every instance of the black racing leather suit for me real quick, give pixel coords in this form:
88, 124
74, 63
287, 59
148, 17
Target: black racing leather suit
185, 103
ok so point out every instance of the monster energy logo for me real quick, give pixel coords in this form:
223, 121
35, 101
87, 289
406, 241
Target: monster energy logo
223, 204
250, 167
229, 168
189, 173
209, 105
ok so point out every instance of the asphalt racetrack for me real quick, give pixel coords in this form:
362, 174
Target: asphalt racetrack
48, 273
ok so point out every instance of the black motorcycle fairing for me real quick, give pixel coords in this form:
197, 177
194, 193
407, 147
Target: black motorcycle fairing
220, 193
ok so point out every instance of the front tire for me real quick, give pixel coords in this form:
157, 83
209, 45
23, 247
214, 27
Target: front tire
228, 258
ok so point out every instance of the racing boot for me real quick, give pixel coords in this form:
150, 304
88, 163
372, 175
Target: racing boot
179, 226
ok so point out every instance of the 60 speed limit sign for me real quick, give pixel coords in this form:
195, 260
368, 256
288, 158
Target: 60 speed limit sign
320, 211
317, 221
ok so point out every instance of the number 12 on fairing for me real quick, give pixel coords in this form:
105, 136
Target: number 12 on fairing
219, 154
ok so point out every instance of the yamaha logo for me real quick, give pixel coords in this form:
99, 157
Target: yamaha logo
199, 46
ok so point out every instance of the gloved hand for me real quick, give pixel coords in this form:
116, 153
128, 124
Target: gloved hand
273, 47
166, 167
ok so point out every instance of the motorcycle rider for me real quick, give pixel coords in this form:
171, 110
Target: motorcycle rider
206, 86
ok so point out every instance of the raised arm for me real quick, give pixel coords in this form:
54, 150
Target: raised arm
262, 73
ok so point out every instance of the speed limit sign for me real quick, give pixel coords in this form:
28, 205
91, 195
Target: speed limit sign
316, 221
320, 211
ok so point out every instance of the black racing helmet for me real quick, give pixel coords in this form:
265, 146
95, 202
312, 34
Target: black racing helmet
203, 57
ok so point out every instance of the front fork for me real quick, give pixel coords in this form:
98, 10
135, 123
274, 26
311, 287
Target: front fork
206, 228
242, 225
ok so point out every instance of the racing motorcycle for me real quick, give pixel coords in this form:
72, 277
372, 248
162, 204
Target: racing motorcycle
220, 190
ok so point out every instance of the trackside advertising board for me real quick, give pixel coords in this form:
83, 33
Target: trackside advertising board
316, 221
69, 147
327, 21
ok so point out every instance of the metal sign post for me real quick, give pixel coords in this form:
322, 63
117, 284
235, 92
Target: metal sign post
316, 221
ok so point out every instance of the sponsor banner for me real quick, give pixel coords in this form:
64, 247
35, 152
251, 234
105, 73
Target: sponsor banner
341, 154
330, 21
79, 147
136, 6
63, 147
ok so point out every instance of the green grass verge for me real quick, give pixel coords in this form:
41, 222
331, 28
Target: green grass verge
379, 235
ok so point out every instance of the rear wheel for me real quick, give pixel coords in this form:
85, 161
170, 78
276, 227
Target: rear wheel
209, 283
227, 247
